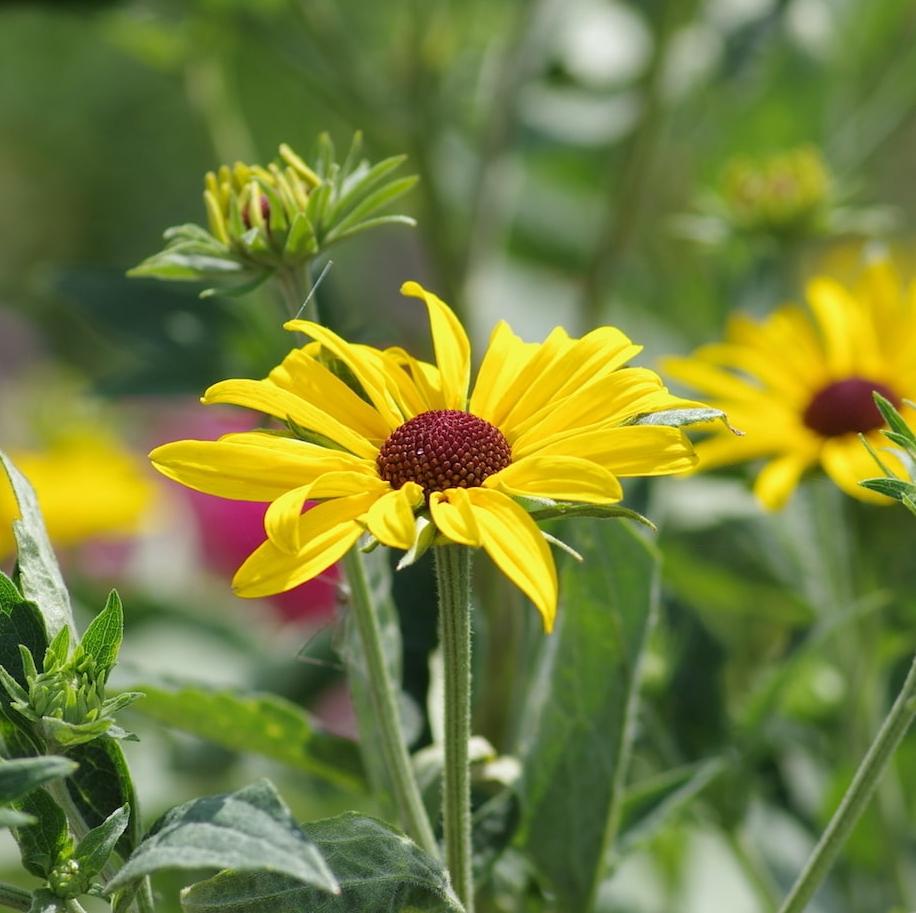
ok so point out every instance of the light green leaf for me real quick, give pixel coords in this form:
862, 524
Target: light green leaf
891, 488
381, 197
371, 223
264, 724
21, 775
359, 186
678, 418
177, 265
579, 722
40, 579
93, 850
247, 831
377, 867
301, 240
102, 640
600, 511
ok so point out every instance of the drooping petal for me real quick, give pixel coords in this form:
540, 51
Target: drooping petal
267, 397
778, 479
562, 478
454, 516
281, 521
391, 519
327, 532
450, 343
632, 450
236, 467
512, 539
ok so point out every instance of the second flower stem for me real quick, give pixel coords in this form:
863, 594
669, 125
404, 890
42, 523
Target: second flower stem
857, 797
453, 563
385, 700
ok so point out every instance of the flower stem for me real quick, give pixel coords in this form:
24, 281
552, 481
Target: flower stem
15, 898
453, 573
384, 697
857, 796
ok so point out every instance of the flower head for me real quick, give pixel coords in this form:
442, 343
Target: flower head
395, 447
802, 389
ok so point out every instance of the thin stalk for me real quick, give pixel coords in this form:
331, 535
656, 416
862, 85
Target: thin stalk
295, 283
15, 898
385, 701
856, 798
453, 564
754, 868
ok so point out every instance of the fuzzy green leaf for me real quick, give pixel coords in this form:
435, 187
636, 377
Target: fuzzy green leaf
249, 830
46, 842
177, 265
45, 901
678, 418
891, 488
40, 579
21, 775
377, 867
102, 640
93, 850
264, 724
579, 723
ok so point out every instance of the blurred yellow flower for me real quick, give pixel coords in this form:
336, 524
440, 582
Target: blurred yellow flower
400, 437
801, 390
88, 486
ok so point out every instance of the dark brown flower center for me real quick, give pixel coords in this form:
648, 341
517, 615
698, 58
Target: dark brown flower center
847, 407
443, 449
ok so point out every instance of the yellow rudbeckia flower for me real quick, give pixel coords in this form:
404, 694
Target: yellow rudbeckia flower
544, 420
801, 390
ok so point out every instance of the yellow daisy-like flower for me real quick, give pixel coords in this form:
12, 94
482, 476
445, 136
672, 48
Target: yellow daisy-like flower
801, 389
544, 420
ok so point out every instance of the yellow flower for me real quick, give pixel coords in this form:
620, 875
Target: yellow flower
544, 420
801, 390
87, 485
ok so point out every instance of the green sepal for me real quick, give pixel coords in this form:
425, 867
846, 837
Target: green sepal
301, 241
423, 541
58, 651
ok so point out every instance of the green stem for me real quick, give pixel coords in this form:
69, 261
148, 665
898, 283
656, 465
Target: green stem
453, 564
15, 898
857, 797
385, 700
295, 283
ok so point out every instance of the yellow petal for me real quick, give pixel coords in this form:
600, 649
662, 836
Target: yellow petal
563, 478
503, 361
423, 375
370, 378
835, 309
847, 462
777, 480
246, 471
273, 400
454, 517
281, 522
327, 530
312, 381
633, 450
391, 519
450, 343
511, 538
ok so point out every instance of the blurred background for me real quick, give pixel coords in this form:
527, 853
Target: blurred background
655, 165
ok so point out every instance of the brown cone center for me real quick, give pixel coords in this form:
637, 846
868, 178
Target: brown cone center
847, 407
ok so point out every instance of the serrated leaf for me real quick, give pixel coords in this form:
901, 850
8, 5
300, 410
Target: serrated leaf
21, 775
102, 640
247, 831
40, 579
46, 842
358, 188
578, 725
102, 784
377, 867
93, 850
264, 724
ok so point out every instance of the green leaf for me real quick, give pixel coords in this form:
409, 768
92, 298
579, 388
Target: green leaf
677, 418
894, 420
552, 510
648, 806
249, 830
102, 640
58, 651
21, 624
371, 223
39, 575
177, 265
102, 784
43, 844
381, 197
45, 901
301, 240
377, 867
10, 817
22, 775
892, 488
579, 722
93, 850
265, 724
359, 186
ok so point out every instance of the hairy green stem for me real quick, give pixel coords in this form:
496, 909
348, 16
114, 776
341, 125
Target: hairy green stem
15, 898
385, 701
856, 798
453, 573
